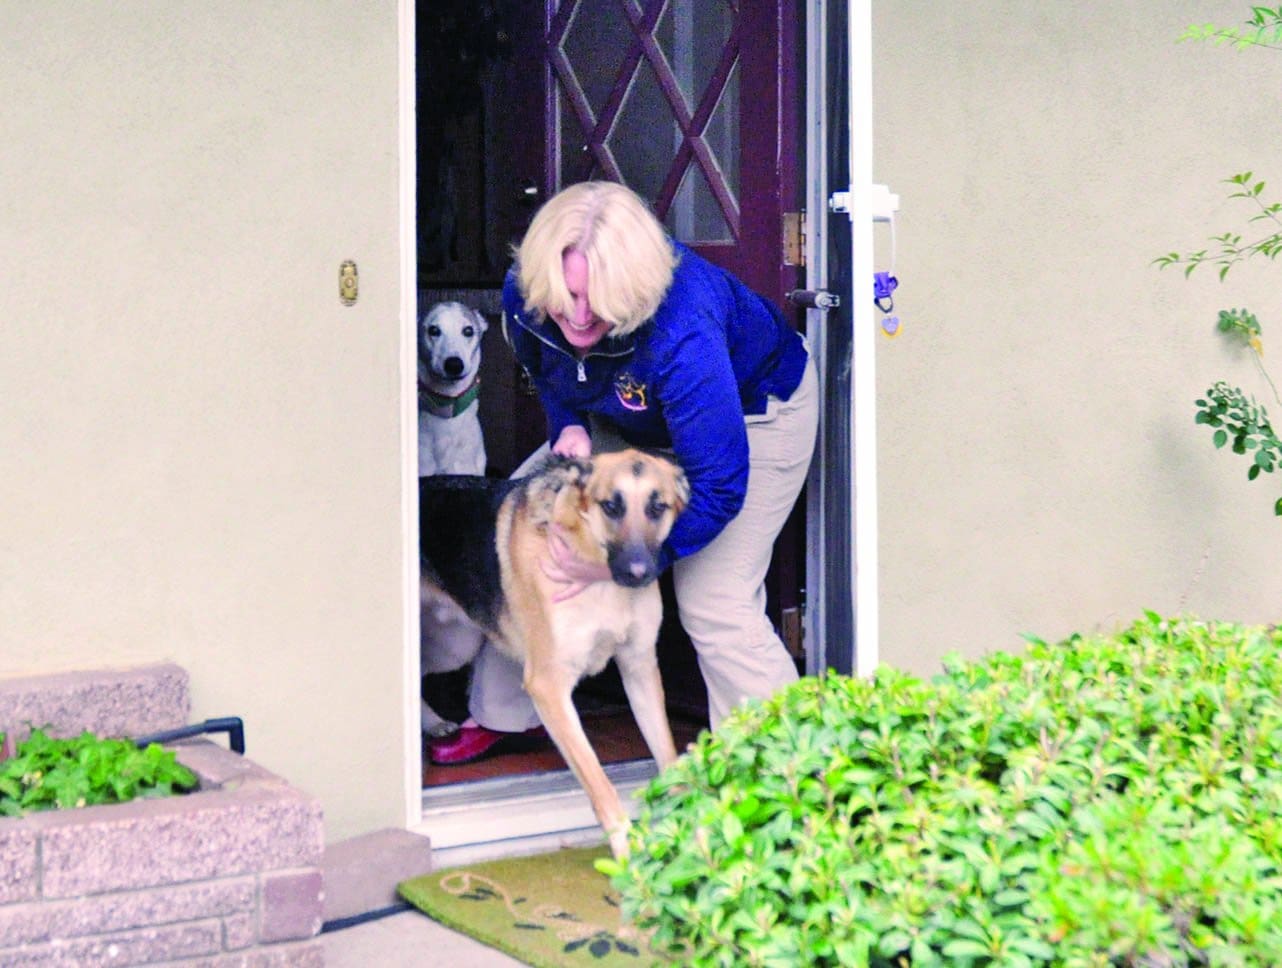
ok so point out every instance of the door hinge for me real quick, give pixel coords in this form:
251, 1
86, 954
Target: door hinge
794, 238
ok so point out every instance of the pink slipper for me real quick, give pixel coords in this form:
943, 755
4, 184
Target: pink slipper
472, 743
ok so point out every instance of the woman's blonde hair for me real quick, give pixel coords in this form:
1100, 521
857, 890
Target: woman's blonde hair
630, 260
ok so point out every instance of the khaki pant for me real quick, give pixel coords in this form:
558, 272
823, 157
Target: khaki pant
721, 593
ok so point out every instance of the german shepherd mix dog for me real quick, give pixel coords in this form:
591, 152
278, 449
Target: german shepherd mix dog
483, 541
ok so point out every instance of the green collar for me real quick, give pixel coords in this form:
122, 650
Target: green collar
444, 405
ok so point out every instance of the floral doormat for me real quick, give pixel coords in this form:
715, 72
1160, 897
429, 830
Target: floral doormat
551, 910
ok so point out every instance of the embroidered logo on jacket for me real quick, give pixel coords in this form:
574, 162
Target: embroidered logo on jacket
630, 393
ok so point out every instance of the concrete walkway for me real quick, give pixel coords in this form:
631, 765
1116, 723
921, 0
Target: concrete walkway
408, 940
361, 875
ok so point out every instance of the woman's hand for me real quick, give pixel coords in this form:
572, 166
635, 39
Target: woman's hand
573, 442
566, 568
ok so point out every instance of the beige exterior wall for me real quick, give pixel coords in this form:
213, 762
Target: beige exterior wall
1039, 466
201, 444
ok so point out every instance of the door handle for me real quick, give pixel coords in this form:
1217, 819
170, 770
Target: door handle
814, 299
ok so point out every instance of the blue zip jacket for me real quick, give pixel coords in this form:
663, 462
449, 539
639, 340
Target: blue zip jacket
713, 352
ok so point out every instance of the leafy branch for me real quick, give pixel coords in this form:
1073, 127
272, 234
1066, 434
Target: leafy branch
1242, 325
1227, 410
1238, 418
1231, 248
1264, 29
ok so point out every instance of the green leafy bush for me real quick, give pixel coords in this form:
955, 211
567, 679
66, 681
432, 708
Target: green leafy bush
1110, 800
49, 774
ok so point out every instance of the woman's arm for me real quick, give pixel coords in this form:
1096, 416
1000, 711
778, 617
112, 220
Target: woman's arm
705, 421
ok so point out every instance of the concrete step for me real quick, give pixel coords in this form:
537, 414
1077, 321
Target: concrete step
361, 873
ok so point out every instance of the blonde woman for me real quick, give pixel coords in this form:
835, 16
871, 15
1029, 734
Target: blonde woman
633, 339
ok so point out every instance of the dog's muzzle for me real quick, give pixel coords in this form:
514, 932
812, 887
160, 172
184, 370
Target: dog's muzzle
632, 565
453, 367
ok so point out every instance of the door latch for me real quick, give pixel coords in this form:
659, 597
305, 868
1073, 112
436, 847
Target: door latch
882, 203
348, 283
813, 299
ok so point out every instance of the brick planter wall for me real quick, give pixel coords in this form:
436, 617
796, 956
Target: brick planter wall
226, 876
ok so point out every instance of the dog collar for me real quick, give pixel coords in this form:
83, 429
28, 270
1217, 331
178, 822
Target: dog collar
444, 405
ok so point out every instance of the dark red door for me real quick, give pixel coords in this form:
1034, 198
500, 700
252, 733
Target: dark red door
696, 106
692, 104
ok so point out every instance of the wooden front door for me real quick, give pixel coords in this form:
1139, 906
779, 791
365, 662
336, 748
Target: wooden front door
694, 104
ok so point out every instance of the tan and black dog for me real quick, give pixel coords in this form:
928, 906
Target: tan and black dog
484, 541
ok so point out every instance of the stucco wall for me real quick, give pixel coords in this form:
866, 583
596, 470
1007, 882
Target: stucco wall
1039, 466
201, 444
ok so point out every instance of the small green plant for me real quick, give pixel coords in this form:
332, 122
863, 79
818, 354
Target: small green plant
1243, 325
1239, 419
1228, 410
49, 774
1106, 801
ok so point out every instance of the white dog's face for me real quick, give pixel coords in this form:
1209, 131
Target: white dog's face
449, 346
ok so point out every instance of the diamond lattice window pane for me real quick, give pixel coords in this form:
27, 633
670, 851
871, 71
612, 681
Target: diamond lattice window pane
645, 136
572, 141
722, 133
595, 41
692, 34
695, 215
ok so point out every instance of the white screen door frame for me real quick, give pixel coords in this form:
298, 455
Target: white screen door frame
841, 540
842, 600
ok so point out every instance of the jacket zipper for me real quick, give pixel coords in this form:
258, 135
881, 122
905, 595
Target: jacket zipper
581, 372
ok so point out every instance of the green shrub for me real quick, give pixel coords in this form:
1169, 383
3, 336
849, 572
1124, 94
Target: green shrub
1110, 800
49, 774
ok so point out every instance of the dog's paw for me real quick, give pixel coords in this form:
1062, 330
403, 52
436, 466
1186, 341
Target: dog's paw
433, 725
440, 729
618, 837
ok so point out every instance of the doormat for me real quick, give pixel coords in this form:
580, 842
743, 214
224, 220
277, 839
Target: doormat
551, 910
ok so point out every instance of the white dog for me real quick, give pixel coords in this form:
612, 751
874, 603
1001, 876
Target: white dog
449, 364
449, 442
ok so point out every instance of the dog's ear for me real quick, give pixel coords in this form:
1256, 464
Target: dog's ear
572, 497
681, 486
479, 320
